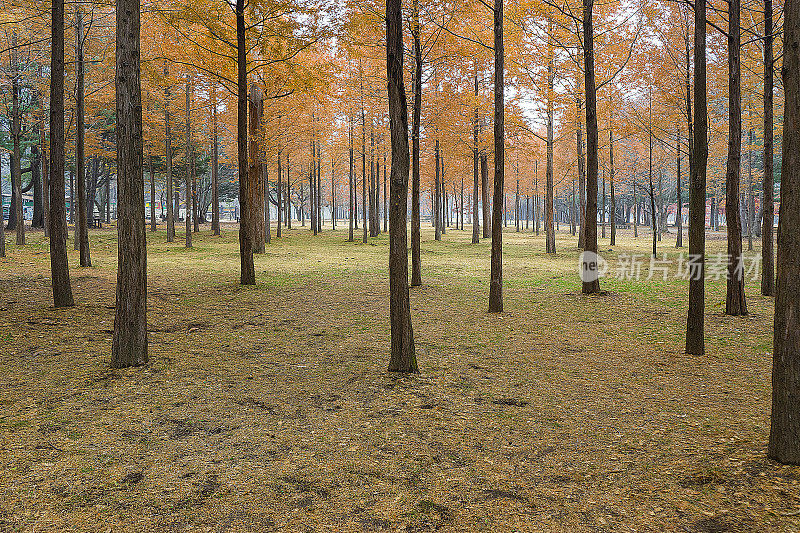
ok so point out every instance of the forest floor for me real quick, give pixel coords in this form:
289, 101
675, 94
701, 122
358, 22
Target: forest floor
269, 407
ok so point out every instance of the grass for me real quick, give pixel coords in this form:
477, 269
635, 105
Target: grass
269, 407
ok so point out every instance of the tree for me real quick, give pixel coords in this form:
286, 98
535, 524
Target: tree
129, 344
735, 303
82, 230
496, 275
591, 284
403, 357
767, 250
695, 319
59, 268
784, 445
416, 260
248, 272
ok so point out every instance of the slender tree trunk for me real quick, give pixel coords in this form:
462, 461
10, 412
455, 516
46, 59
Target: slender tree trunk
581, 212
59, 267
215, 169
168, 156
591, 284
416, 259
750, 200
403, 357
767, 250
153, 226
248, 273
254, 171
735, 302
476, 226
129, 344
550, 239
695, 320
678, 192
278, 190
784, 445
437, 206
189, 158
496, 275
351, 182
613, 214
16, 155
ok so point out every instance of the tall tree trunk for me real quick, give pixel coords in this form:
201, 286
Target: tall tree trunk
613, 214
59, 267
750, 200
254, 170
403, 357
45, 182
170, 183
767, 250
248, 273
485, 203
735, 302
496, 275
695, 319
591, 284
678, 192
153, 225
129, 344
363, 161
278, 191
581, 212
189, 160
16, 136
215, 169
437, 206
351, 181
550, 239
475, 219
784, 445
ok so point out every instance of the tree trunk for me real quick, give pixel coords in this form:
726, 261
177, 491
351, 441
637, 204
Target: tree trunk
215, 169
59, 267
403, 357
496, 275
613, 214
168, 156
129, 344
784, 444
767, 250
254, 170
735, 302
16, 155
550, 239
278, 191
351, 182
678, 192
476, 226
153, 226
248, 273
189, 161
591, 284
695, 319
437, 206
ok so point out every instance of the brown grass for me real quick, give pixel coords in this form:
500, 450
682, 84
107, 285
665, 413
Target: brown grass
269, 408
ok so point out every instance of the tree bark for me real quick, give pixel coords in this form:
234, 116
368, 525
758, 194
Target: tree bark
248, 272
735, 302
168, 156
254, 170
496, 275
695, 319
16, 154
403, 357
59, 267
549, 214
215, 168
129, 344
189, 161
591, 284
784, 436
767, 249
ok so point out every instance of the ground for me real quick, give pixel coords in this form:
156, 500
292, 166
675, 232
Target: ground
269, 407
